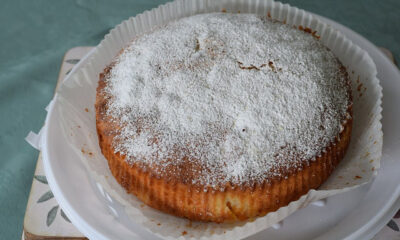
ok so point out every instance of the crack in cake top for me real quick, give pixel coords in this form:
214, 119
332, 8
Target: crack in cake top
225, 98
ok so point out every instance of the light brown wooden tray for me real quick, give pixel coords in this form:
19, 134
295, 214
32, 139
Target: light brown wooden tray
44, 219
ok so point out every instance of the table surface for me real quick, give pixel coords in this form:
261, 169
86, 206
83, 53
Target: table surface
36, 34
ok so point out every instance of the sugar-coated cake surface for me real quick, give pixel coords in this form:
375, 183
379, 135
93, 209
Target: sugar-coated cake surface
235, 98
223, 117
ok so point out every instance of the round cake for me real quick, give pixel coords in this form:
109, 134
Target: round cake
223, 117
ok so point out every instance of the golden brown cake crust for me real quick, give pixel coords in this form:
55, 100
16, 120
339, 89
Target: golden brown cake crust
234, 202
176, 193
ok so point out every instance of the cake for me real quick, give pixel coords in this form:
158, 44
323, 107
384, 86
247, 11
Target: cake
223, 117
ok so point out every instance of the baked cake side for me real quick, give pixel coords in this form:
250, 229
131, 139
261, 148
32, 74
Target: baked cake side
223, 117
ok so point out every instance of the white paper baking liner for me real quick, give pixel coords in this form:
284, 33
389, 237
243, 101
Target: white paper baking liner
76, 98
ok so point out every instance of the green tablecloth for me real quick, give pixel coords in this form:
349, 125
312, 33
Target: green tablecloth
34, 35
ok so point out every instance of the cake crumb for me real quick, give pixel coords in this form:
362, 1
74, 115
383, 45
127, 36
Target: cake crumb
271, 65
184, 233
86, 151
86, 110
314, 34
359, 87
357, 177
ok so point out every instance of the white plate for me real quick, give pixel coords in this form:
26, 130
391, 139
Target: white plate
357, 214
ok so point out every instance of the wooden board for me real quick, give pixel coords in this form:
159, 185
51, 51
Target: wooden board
44, 219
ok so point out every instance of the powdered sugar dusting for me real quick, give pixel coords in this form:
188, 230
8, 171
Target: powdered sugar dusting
218, 98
